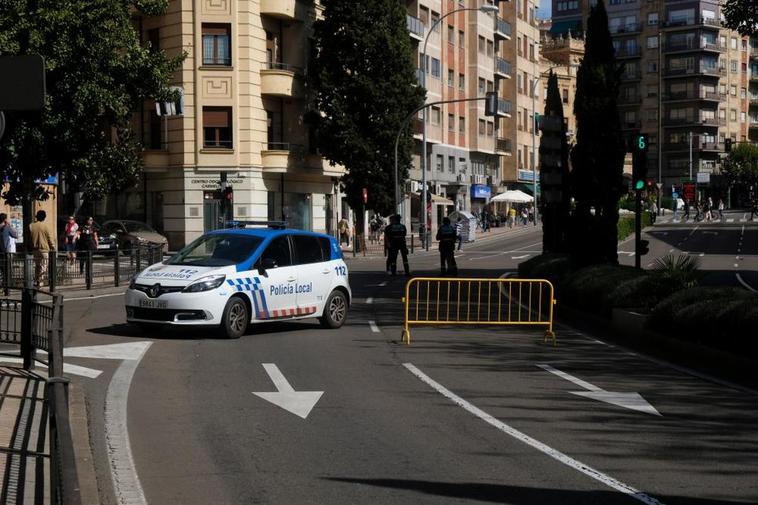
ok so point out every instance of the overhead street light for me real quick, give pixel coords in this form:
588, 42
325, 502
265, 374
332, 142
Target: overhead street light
487, 9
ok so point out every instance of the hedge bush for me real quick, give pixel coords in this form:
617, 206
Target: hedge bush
666, 316
626, 225
553, 267
641, 293
588, 288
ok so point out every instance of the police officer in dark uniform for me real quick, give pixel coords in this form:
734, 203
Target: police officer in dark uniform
447, 237
394, 240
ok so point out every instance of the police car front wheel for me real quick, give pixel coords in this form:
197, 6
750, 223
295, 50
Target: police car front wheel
335, 310
235, 319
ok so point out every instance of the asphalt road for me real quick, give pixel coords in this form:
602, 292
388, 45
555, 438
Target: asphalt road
461, 416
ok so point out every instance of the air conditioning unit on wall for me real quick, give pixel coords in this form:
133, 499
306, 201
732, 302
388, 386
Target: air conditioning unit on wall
415, 186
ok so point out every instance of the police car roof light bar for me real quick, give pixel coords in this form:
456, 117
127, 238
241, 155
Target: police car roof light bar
279, 225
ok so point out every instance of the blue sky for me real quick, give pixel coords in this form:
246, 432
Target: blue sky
545, 9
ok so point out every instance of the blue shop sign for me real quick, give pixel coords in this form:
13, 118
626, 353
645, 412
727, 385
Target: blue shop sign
481, 191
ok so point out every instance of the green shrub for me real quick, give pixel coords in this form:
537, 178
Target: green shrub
627, 203
666, 314
588, 288
642, 293
553, 267
667, 203
626, 225
682, 271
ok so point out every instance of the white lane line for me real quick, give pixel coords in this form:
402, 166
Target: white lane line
745, 284
68, 368
505, 252
701, 254
373, 326
126, 483
369, 300
730, 220
579, 382
382, 284
520, 257
532, 442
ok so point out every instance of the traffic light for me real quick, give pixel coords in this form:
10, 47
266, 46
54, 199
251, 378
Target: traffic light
727, 145
643, 247
639, 160
228, 194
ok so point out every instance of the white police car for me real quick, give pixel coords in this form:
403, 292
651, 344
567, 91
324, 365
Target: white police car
233, 277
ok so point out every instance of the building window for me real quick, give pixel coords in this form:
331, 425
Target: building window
482, 86
439, 163
733, 90
435, 116
154, 38
565, 95
733, 43
734, 66
450, 35
490, 48
217, 127
450, 123
461, 125
652, 115
451, 164
436, 68
743, 93
423, 14
216, 45
652, 67
733, 115
490, 86
652, 90
435, 18
518, 46
461, 81
490, 128
482, 126
450, 78
743, 117
652, 42
482, 44
531, 52
652, 19
461, 39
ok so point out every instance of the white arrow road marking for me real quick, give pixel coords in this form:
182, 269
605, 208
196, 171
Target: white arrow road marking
520, 257
532, 442
632, 401
299, 403
69, 369
126, 483
373, 326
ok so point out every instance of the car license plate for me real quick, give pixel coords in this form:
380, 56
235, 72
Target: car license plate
103, 246
153, 304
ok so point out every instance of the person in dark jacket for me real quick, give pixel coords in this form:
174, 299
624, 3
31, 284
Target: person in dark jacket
394, 240
446, 236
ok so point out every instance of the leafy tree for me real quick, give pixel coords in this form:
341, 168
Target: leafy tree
554, 172
365, 84
741, 166
741, 15
98, 75
598, 156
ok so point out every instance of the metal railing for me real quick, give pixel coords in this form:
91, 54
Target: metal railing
81, 269
440, 301
502, 67
32, 323
415, 26
504, 145
502, 28
278, 65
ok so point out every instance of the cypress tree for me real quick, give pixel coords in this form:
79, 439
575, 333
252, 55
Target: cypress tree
598, 156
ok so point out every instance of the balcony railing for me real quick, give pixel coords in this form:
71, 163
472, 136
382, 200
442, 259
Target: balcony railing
626, 28
504, 145
693, 95
631, 76
696, 70
416, 27
504, 107
679, 121
502, 28
628, 52
630, 125
754, 100
629, 100
697, 145
284, 146
278, 65
677, 23
502, 67
693, 45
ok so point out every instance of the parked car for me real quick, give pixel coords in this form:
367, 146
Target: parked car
132, 233
106, 241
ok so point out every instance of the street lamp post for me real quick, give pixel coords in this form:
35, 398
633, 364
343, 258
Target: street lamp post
484, 8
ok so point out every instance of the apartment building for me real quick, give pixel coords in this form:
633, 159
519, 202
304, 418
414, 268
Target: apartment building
562, 56
243, 121
462, 60
524, 90
685, 77
753, 92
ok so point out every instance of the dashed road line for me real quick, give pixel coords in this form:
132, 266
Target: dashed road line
532, 442
373, 326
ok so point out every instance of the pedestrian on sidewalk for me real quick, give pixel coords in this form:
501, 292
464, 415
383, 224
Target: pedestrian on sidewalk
653, 212
8, 236
394, 238
87, 242
459, 232
686, 210
343, 227
447, 237
69, 238
721, 209
42, 244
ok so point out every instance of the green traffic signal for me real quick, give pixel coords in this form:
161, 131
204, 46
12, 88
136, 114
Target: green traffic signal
639, 185
641, 144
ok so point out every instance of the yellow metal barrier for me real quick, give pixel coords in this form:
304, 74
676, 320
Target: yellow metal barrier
461, 301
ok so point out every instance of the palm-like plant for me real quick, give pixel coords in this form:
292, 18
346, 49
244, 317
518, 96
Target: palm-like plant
682, 270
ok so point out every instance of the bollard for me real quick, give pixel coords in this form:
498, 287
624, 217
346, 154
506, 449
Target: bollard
116, 267
52, 269
88, 270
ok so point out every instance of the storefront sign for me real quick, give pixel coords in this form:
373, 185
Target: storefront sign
525, 175
212, 183
481, 191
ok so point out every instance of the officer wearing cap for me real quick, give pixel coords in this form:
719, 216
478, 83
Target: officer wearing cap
446, 236
394, 240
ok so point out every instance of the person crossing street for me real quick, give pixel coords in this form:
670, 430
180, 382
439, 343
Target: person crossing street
446, 236
394, 240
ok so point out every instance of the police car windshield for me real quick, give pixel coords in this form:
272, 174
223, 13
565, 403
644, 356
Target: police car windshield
217, 250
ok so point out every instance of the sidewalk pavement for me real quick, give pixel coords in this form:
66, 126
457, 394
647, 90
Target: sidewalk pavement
24, 437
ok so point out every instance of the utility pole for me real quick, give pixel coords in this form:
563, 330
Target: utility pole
690, 137
534, 147
660, 119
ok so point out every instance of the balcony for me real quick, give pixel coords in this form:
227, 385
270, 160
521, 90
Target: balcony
504, 146
281, 9
281, 79
678, 24
754, 75
754, 100
502, 29
628, 52
711, 96
420, 77
629, 100
697, 146
631, 125
693, 45
502, 68
627, 29
630, 76
415, 27
504, 108
688, 121
753, 125
697, 70
279, 157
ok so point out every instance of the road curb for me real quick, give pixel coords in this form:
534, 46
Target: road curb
706, 360
85, 464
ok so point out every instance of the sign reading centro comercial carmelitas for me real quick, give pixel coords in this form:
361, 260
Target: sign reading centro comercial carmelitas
211, 183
